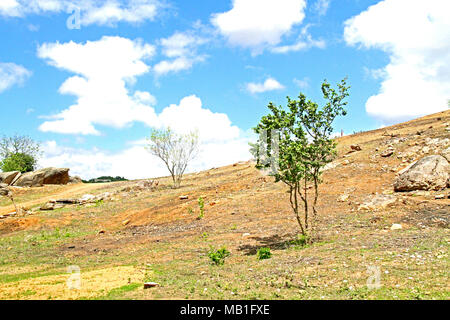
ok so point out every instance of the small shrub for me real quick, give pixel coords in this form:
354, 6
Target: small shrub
301, 240
201, 205
218, 256
190, 210
264, 253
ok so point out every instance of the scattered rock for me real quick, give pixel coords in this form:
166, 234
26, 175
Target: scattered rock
87, 198
75, 180
355, 147
343, 198
379, 201
48, 206
184, 197
439, 196
396, 226
429, 173
148, 285
388, 152
8, 177
43, 176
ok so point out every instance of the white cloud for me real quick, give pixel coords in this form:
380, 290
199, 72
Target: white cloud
415, 34
137, 163
12, 74
101, 12
181, 48
269, 85
302, 83
103, 70
304, 41
256, 24
189, 115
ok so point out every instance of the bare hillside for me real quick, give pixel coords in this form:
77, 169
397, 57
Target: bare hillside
138, 233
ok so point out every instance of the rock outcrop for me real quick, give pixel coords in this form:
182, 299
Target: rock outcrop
429, 173
75, 180
43, 176
8, 177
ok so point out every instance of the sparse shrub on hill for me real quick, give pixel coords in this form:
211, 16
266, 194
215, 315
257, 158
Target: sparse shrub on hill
218, 256
175, 150
201, 206
295, 144
264, 253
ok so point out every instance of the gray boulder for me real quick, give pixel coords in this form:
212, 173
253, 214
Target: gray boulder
43, 176
75, 180
429, 173
8, 177
446, 154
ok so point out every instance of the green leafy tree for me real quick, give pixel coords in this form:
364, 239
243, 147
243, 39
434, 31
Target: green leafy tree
18, 162
303, 147
175, 150
19, 153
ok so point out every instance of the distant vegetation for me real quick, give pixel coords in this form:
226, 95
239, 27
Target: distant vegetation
104, 179
18, 153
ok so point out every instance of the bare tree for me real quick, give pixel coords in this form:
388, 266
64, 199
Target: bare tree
19, 144
175, 150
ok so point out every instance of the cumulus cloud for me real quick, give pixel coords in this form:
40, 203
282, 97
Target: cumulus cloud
417, 79
181, 51
269, 85
12, 74
256, 24
189, 115
221, 143
104, 69
101, 12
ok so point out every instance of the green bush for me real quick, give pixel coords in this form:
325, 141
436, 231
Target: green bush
218, 256
264, 253
18, 162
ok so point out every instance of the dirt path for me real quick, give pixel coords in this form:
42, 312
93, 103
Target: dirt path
69, 192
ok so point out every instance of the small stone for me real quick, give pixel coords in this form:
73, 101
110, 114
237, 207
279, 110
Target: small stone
148, 285
48, 206
125, 222
246, 235
387, 153
396, 226
184, 197
440, 196
343, 198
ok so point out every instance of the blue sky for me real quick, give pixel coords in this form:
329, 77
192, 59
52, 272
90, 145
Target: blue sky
89, 79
